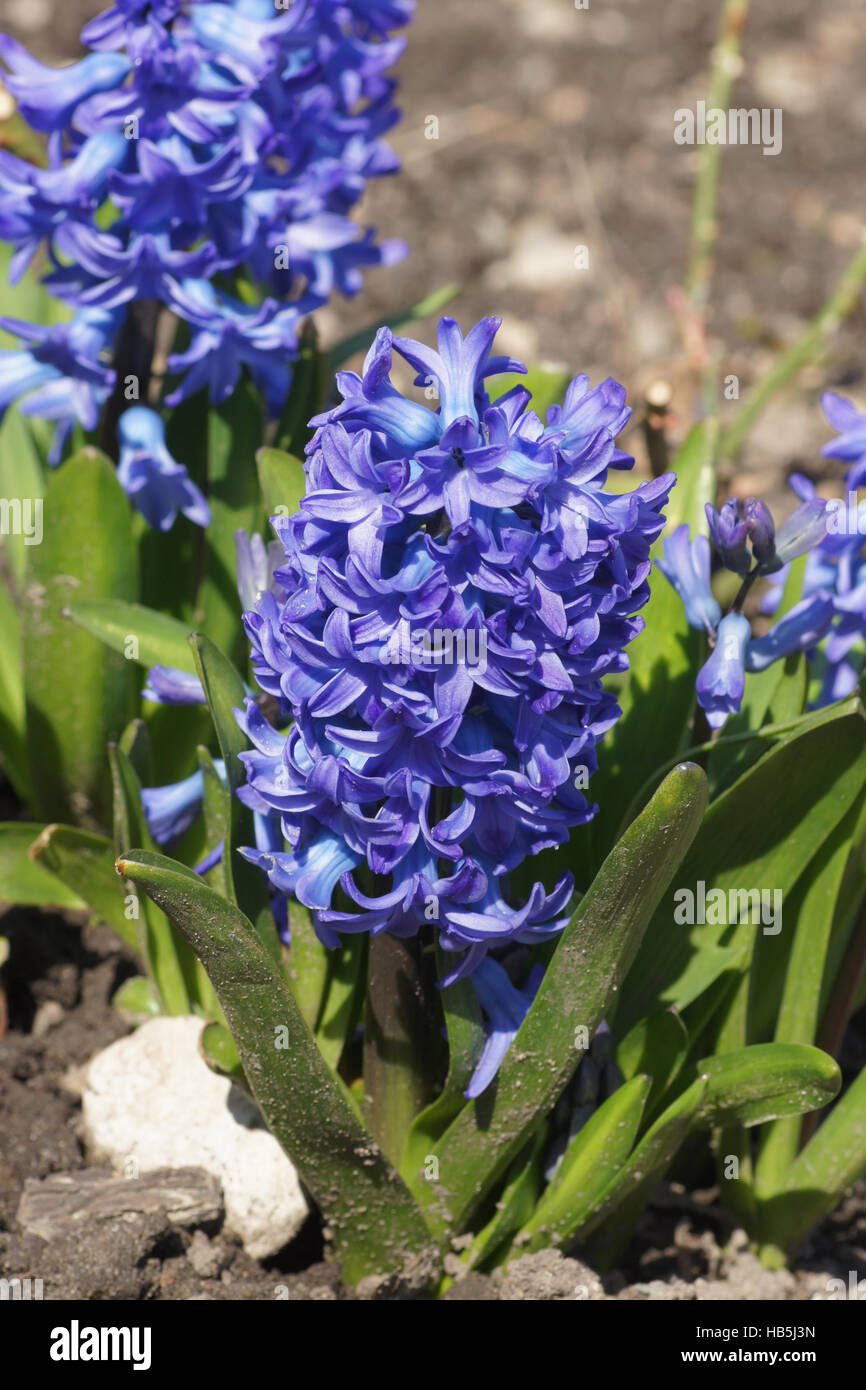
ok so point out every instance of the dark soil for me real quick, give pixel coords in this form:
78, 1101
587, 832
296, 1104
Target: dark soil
58, 982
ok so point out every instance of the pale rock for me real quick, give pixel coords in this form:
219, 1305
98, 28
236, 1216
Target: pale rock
150, 1102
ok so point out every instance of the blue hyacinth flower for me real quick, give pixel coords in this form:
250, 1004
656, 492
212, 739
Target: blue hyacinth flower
154, 482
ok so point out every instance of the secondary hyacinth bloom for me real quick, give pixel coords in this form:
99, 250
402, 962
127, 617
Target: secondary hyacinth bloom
158, 485
748, 543
836, 568
415, 775
229, 142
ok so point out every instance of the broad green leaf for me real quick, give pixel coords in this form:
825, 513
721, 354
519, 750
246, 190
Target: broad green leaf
657, 1045
85, 863
547, 385
659, 696
235, 432
170, 963
157, 639
22, 490
625, 1195
513, 1208
13, 729
695, 467
592, 957
136, 1000
829, 1166
79, 695
760, 834
592, 1160
311, 380
425, 308
24, 881
217, 1047
307, 964
765, 1082
342, 1005
465, 1033
225, 693
377, 1227
282, 480
799, 1013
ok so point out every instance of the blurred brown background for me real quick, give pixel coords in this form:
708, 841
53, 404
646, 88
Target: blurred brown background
556, 130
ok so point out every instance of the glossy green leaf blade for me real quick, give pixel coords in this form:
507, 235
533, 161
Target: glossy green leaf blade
282, 480
659, 696
85, 863
465, 1032
592, 1160
625, 1195
225, 693
22, 880
658, 1045
22, 486
218, 1048
513, 1208
307, 965
377, 1226
158, 639
169, 962
765, 1082
79, 694
235, 432
831, 1163
13, 726
136, 1000
581, 983
695, 467
759, 835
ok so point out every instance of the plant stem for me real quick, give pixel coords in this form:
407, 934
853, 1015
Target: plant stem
133, 358
705, 225
400, 1038
808, 348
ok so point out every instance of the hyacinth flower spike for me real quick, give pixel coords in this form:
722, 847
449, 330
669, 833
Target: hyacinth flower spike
450, 595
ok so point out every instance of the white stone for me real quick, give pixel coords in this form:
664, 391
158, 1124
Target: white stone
150, 1101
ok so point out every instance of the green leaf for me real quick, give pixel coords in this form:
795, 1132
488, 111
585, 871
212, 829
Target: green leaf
829, 1166
282, 480
85, 863
582, 981
376, 1225
13, 729
79, 695
359, 342
659, 695
657, 1045
225, 692
24, 881
465, 1032
695, 467
514, 1207
625, 1195
235, 431
592, 1160
310, 384
136, 1000
760, 834
765, 1082
547, 385
161, 641
217, 1047
307, 965
22, 485
170, 964
342, 1005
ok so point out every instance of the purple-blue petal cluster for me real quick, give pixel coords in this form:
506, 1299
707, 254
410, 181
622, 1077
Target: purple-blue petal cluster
206, 156
457, 583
